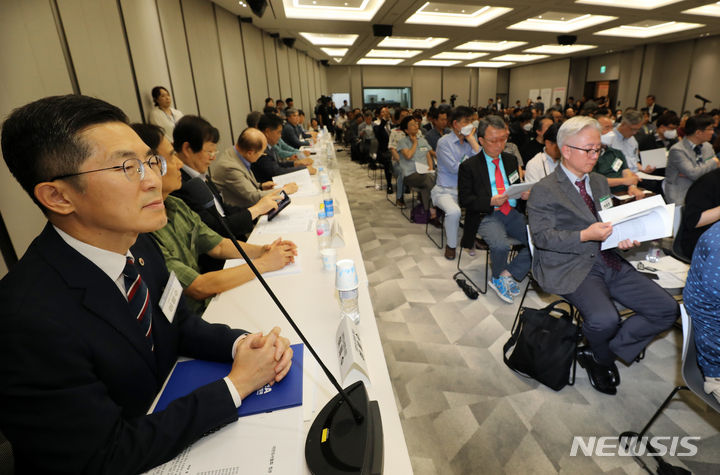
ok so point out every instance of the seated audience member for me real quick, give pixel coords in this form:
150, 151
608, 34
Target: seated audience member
340, 122
413, 150
569, 112
290, 133
381, 130
395, 135
270, 110
185, 238
612, 164
665, 135
702, 301
365, 129
690, 158
195, 142
700, 211
84, 344
520, 130
269, 102
314, 125
623, 138
438, 126
280, 106
289, 102
563, 214
233, 171
544, 163
452, 149
306, 134
653, 110
163, 115
482, 181
253, 118
536, 145
269, 165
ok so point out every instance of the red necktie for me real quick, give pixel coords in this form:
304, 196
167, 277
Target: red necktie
500, 185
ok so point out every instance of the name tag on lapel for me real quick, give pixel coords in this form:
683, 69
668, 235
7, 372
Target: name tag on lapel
513, 177
171, 297
616, 164
606, 202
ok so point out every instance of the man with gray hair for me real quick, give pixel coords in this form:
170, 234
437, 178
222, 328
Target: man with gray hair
482, 181
567, 235
623, 139
290, 132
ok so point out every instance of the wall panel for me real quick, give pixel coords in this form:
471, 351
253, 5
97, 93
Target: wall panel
704, 73
537, 76
99, 52
255, 64
487, 85
425, 86
284, 71
356, 85
456, 81
295, 79
176, 48
271, 70
387, 76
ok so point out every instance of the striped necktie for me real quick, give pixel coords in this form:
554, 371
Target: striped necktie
138, 298
611, 259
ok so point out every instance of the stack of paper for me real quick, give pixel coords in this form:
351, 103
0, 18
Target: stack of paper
305, 184
293, 219
643, 220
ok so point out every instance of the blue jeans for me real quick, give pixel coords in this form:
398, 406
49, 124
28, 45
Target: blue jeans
495, 229
446, 199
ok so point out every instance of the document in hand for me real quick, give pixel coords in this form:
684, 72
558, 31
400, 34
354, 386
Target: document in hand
514, 191
302, 178
643, 220
655, 158
190, 375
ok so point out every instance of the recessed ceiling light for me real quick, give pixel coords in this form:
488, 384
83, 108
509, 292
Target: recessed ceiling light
335, 51
381, 61
326, 39
490, 64
490, 45
392, 53
464, 56
435, 62
559, 49
410, 42
357, 11
711, 9
649, 29
556, 22
455, 15
337, 60
638, 4
522, 58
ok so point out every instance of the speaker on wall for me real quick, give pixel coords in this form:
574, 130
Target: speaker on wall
289, 42
324, 62
258, 7
382, 30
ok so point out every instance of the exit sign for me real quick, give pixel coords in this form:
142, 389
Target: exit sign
602, 69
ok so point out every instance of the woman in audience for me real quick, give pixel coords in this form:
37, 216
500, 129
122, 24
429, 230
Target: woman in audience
314, 125
162, 114
702, 301
416, 162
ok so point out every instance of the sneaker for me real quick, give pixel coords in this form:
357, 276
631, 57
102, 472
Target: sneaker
512, 286
500, 288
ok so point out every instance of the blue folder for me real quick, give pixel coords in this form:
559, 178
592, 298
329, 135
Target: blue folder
190, 375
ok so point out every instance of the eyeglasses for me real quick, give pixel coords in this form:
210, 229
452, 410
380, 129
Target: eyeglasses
212, 154
589, 151
134, 168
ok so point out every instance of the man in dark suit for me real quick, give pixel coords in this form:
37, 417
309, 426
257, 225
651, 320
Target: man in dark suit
84, 344
290, 133
654, 110
567, 236
269, 165
665, 135
482, 181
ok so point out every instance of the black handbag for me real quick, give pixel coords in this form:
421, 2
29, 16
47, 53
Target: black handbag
543, 344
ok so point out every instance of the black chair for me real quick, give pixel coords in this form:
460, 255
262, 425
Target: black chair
481, 245
428, 226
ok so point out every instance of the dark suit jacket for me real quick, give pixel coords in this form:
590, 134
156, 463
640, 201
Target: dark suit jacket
657, 111
703, 195
239, 219
474, 191
77, 375
557, 214
292, 137
382, 136
267, 167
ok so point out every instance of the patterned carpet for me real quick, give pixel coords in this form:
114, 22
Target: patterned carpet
463, 411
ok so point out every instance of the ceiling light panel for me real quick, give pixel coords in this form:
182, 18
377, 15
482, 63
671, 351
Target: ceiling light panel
436, 13
325, 39
380, 61
637, 4
521, 58
559, 22
711, 9
335, 51
392, 53
436, 62
351, 10
409, 42
490, 64
490, 45
559, 49
649, 29
461, 55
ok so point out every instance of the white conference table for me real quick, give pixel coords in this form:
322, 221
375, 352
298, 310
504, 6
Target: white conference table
310, 298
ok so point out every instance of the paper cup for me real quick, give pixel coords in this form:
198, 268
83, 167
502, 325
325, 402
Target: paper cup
345, 275
329, 256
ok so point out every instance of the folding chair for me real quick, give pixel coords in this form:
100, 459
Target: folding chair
481, 245
441, 218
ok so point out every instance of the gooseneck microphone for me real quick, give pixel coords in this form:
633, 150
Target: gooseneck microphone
336, 443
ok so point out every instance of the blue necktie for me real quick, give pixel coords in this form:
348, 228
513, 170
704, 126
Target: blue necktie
138, 298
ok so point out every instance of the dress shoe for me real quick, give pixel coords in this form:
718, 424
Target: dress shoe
436, 222
602, 377
400, 203
449, 253
389, 189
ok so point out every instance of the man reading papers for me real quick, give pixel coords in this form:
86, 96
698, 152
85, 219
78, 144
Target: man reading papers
567, 234
84, 343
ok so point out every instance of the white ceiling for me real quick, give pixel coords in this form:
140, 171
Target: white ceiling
397, 12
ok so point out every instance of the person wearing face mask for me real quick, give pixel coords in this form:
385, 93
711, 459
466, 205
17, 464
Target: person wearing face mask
664, 137
453, 149
520, 130
536, 145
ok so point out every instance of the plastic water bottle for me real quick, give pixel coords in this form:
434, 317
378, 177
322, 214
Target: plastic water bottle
349, 305
323, 231
653, 254
327, 199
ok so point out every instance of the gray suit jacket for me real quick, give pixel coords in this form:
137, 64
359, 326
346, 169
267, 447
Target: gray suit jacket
682, 169
557, 214
237, 184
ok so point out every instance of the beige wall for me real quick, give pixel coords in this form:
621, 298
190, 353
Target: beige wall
201, 53
537, 76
